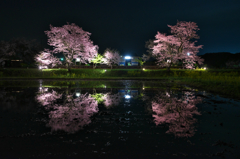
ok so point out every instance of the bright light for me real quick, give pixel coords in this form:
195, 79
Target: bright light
188, 53
40, 67
143, 68
168, 61
204, 68
78, 94
127, 96
143, 88
61, 59
77, 59
167, 94
127, 57
105, 70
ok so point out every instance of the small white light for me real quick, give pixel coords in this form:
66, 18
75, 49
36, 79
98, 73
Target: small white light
167, 94
77, 59
40, 67
143, 68
205, 68
78, 94
188, 53
143, 88
105, 70
127, 96
105, 86
168, 61
127, 57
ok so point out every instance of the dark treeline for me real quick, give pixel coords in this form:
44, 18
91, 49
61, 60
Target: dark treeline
221, 60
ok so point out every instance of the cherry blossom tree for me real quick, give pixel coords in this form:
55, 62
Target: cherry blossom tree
111, 57
180, 46
46, 59
178, 113
73, 42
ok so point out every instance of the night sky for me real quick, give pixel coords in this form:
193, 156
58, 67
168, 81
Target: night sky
125, 25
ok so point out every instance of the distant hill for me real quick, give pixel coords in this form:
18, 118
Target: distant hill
218, 60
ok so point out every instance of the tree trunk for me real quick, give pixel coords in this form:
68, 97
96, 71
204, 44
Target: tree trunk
68, 67
168, 68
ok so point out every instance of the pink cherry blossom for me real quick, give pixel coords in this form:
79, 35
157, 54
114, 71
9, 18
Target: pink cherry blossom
73, 42
179, 46
45, 59
111, 57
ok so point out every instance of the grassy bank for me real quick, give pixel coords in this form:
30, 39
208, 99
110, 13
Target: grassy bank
219, 81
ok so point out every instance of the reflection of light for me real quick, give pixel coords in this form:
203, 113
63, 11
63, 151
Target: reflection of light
77, 59
167, 94
143, 68
204, 68
188, 53
127, 96
78, 94
127, 57
143, 88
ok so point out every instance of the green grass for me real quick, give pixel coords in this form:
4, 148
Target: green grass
224, 81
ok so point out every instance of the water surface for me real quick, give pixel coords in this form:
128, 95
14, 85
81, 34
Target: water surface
131, 119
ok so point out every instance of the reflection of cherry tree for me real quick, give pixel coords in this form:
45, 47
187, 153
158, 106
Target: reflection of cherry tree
178, 113
47, 98
72, 114
111, 99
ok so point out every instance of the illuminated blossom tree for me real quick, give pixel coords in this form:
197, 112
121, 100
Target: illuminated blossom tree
73, 42
180, 46
178, 113
111, 57
45, 59
97, 60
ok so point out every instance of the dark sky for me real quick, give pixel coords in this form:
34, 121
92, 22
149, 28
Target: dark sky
125, 25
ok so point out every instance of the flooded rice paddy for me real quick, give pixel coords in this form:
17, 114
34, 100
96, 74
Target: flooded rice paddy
115, 119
